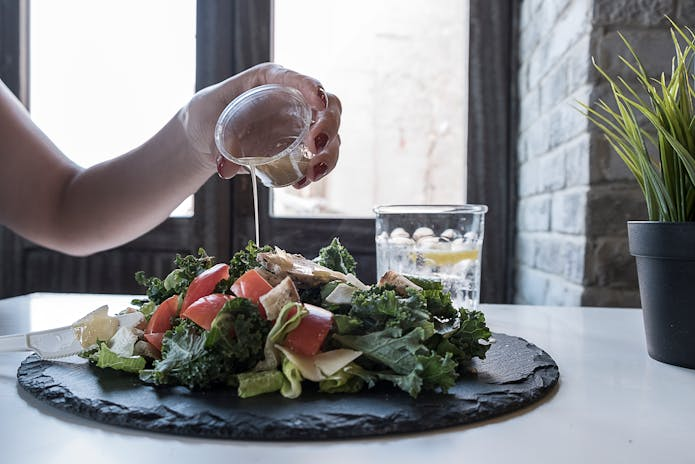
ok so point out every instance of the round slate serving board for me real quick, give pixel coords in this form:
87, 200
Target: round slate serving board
514, 374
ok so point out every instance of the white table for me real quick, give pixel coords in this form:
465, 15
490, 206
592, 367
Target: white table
613, 404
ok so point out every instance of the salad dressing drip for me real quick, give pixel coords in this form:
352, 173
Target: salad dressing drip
254, 183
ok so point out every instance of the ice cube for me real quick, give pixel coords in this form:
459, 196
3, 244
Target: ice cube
422, 232
399, 232
401, 241
382, 237
428, 241
450, 235
470, 236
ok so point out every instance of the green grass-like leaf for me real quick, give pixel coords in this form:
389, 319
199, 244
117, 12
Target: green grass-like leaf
661, 157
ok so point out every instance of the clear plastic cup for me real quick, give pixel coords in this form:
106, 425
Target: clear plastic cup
434, 242
267, 128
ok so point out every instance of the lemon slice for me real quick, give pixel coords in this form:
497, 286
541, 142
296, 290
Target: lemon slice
448, 258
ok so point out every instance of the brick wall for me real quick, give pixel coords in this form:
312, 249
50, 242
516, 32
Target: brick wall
575, 195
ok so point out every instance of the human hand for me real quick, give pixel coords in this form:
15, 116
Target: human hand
200, 115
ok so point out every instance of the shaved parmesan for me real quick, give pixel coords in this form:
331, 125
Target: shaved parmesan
305, 364
353, 280
331, 362
341, 294
317, 368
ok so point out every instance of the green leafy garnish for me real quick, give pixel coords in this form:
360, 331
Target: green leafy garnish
257, 383
245, 260
104, 357
185, 361
336, 257
178, 280
661, 153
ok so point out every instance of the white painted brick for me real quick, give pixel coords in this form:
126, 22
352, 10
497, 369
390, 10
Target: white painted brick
554, 88
526, 248
529, 178
578, 160
534, 213
568, 213
531, 286
529, 109
539, 136
580, 71
552, 171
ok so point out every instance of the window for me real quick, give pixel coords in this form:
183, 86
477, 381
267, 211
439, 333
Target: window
105, 76
400, 70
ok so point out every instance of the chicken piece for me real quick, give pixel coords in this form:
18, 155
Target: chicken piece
400, 283
269, 277
283, 293
304, 272
146, 350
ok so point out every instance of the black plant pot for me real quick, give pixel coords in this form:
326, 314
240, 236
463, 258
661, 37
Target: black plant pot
665, 255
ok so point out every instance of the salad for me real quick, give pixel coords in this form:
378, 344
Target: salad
270, 321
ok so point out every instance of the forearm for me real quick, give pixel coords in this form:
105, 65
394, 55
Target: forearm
119, 200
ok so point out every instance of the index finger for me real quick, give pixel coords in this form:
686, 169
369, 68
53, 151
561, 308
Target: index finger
311, 88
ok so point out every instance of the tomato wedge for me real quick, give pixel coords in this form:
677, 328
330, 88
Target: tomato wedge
252, 285
204, 283
203, 310
155, 339
311, 332
162, 317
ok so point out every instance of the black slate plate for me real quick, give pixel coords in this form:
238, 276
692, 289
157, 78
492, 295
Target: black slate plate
514, 374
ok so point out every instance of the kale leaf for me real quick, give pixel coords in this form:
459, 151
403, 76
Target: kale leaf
178, 280
244, 260
380, 307
336, 257
239, 332
409, 364
186, 361
464, 343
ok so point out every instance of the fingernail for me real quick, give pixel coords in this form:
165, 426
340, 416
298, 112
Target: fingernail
220, 168
321, 140
323, 97
319, 170
301, 183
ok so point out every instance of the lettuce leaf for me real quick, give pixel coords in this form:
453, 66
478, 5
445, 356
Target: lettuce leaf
104, 357
288, 319
342, 381
257, 383
293, 379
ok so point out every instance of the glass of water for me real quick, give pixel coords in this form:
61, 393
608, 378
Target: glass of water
435, 242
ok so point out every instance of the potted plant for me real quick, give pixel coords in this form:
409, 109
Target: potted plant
651, 126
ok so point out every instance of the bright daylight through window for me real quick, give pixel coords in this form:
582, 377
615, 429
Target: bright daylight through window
105, 76
400, 70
